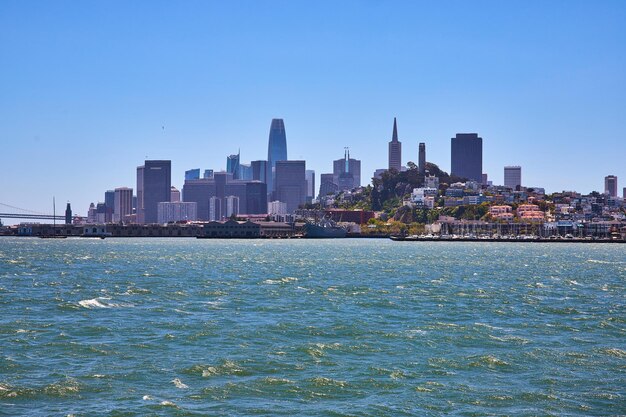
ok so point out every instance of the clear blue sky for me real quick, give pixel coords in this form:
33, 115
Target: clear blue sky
86, 88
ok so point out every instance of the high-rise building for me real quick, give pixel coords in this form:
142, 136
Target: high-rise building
157, 183
208, 173
245, 172
485, 179
139, 207
467, 156
192, 174
232, 205
276, 151
259, 171
215, 209
513, 177
421, 158
174, 195
624, 193
610, 185
232, 165
395, 149
327, 185
177, 211
109, 202
310, 185
123, 204
91, 214
68, 214
290, 183
347, 172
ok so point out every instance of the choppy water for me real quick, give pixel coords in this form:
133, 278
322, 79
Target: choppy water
125, 327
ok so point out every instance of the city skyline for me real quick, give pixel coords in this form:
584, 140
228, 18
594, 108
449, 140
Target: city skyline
196, 92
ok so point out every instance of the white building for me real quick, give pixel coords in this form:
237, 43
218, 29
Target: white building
215, 209
177, 211
276, 207
431, 181
232, 205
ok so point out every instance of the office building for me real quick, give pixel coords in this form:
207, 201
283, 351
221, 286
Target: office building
245, 172
421, 158
215, 209
259, 171
610, 185
624, 193
276, 207
310, 185
157, 183
276, 151
192, 174
123, 204
208, 173
290, 183
174, 195
347, 172
109, 202
395, 149
139, 206
232, 205
512, 177
467, 156
232, 165
68, 214
327, 185
175, 211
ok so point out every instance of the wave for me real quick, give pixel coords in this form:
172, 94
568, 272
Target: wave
101, 302
284, 280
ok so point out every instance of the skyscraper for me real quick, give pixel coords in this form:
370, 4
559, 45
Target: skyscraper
123, 203
232, 165
421, 158
192, 174
276, 151
291, 183
68, 214
327, 185
174, 195
310, 185
157, 183
395, 149
140, 210
347, 172
259, 171
467, 156
109, 202
512, 176
610, 185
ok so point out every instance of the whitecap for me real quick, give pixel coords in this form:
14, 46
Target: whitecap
101, 302
147, 398
168, 404
179, 384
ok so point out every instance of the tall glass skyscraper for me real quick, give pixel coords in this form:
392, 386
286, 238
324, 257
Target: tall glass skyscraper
157, 183
232, 165
467, 156
276, 151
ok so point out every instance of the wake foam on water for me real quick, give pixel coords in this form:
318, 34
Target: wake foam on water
179, 384
101, 302
284, 280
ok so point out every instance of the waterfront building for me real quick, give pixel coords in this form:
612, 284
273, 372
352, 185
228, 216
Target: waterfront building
192, 174
157, 182
276, 151
174, 195
139, 210
610, 185
347, 172
310, 185
290, 183
177, 211
208, 173
395, 149
259, 171
123, 204
512, 176
421, 158
232, 165
467, 156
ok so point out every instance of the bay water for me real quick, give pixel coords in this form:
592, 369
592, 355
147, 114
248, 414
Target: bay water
348, 327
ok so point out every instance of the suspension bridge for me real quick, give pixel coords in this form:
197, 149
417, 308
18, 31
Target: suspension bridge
11, 212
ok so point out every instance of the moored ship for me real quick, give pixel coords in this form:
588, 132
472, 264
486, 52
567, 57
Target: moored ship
324, 229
